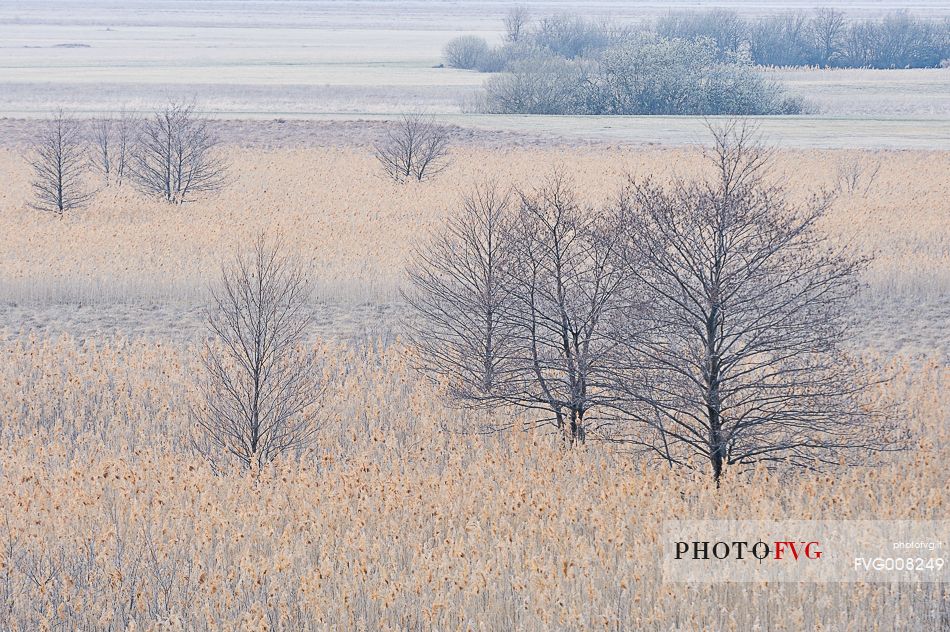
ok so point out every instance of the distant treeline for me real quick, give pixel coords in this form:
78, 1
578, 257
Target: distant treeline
684, 63
824, 37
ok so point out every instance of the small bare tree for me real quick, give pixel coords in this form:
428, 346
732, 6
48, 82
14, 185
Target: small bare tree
262, 388
855, 175
175, 156
416, 148
58, 159
516, 21
113, 137
740, 360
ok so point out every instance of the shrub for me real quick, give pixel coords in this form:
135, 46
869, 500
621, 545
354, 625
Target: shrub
543, 84
465, 52
647, 75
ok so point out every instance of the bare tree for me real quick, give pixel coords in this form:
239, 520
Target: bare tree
261, 393
566, 283
58, 159
740, 360
854, 175
416, 148
113, 137
459, 291
175, 156
828, 27
516, 21
513, 304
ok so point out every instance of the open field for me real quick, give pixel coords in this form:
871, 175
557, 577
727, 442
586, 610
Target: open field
398, 521
395, 524
551, 132
306, 59
355, 228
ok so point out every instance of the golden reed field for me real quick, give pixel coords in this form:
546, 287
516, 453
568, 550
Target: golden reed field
398, 519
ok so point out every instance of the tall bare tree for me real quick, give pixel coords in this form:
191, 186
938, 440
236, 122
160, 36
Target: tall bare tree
740, 360
566, 283
175, 155
58, 159
414, 149
460, 293
262, 388
113, 138
513, 303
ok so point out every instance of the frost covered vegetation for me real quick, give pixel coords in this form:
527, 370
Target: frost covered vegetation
685, 62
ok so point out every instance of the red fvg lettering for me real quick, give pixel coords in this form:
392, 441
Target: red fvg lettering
807, 550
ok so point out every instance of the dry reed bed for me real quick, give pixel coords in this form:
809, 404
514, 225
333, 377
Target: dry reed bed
391, 523
355, 227
110, 521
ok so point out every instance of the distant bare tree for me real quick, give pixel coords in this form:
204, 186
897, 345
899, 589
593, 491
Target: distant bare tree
516, 21
740, 359
58, 159
828, 27
459, 290
855, 175
174, 157
113, 137
416, 148
262, 388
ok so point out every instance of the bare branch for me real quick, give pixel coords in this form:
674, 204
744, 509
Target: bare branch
262, 389
174, 157
58, 159
417, 148
740, 358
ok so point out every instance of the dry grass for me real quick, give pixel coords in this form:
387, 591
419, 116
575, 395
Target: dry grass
110, 522
393, 524
354, 225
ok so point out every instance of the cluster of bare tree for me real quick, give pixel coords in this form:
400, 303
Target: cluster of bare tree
685, 62
823, 37
169, 154
415, 148
698, 319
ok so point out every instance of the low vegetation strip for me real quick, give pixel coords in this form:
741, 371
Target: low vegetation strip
685, 63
